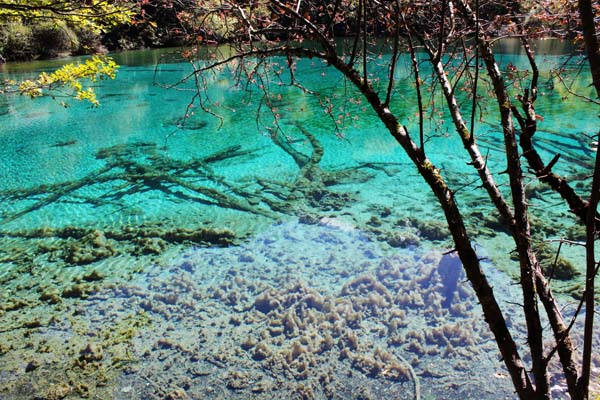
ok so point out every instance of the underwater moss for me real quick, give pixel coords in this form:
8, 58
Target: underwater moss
433, 230
554, 267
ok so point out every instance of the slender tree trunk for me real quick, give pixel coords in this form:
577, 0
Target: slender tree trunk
528, 123
590, 276
528, 262
586, 14
543, 172
527, 259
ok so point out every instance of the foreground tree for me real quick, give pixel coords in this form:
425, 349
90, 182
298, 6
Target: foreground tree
262, 30
587, 14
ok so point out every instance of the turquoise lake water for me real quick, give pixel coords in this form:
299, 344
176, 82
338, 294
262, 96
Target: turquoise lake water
145, 254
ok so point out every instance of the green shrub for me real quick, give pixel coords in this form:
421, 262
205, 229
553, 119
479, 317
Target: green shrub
3, 38
16, 41
88, 42
52, 39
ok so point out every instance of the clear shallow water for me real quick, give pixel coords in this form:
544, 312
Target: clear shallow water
103, 211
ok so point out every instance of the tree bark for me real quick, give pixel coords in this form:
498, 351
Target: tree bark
527, 259
586, 13
528, 123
